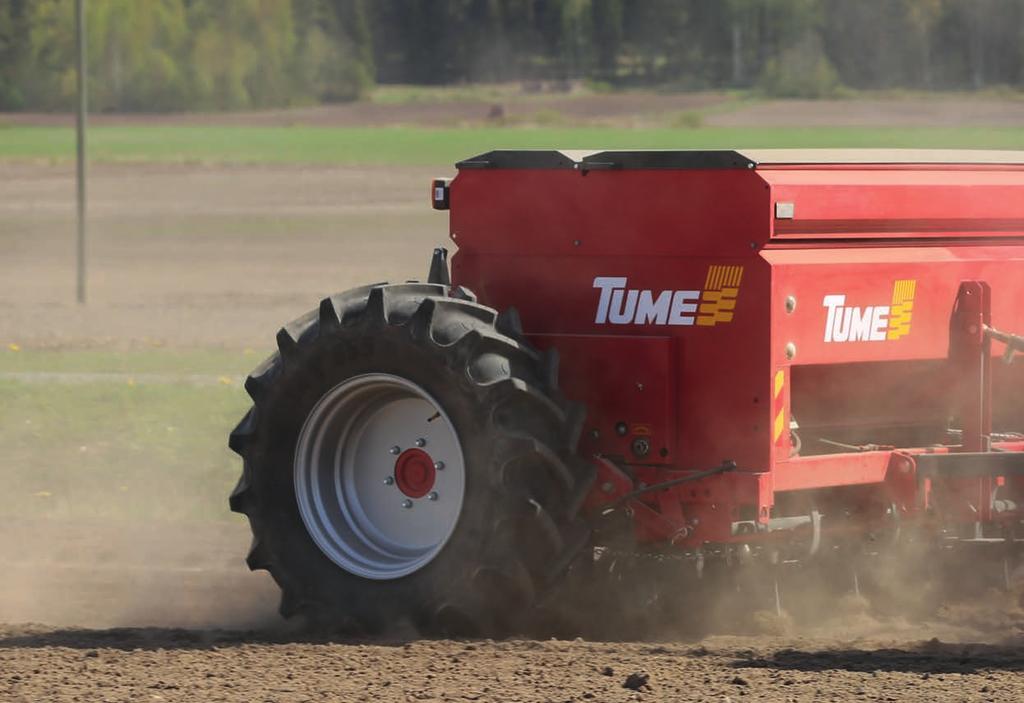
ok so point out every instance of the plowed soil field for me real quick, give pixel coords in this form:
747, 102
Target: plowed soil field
179, 665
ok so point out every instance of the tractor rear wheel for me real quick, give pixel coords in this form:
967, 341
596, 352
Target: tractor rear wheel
409, 460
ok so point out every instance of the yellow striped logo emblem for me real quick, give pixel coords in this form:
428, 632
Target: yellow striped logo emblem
718, 300
902, 308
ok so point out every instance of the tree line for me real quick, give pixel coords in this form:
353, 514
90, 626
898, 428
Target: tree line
161, 55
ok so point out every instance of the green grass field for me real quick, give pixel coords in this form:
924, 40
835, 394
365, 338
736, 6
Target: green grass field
158, 361
139, 435
116, 449
414, 146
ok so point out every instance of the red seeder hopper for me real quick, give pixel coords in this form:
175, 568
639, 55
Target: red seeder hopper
730, 349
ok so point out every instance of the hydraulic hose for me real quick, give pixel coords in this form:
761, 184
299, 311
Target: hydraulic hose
725, 466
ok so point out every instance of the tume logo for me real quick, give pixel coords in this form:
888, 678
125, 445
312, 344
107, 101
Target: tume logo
619, 305
874, 323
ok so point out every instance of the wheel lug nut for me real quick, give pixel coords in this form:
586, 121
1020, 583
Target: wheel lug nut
395, 450
439, 465
421, 442
389, 480
406, 503
432, 495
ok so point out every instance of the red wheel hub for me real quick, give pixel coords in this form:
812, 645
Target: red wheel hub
414, 473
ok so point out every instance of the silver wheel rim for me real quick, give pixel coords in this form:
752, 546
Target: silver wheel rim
360, 475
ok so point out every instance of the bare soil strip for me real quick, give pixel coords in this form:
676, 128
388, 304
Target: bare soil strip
142, 379
628, 109
254, 248
177, 665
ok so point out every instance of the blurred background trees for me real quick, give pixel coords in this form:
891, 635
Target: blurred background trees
160, 55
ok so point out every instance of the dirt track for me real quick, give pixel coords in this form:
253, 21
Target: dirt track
174, 665
116, 576
633, 108
254, 247
192, 256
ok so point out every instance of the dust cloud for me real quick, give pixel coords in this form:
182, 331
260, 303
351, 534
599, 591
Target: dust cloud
93, 573
107, 517
905, 592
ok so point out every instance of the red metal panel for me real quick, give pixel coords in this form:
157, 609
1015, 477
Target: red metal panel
806, 473
898, 202
868, 279
538, 239
840, 315
622, 380
555, 213
722, 389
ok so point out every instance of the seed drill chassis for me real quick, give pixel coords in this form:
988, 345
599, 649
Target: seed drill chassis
773, 348
765, 340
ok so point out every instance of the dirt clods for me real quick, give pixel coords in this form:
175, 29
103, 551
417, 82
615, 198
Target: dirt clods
152, 664
636, 681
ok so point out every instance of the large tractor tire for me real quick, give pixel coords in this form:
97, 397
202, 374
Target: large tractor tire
409, 460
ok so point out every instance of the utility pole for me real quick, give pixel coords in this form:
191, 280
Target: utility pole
80, 143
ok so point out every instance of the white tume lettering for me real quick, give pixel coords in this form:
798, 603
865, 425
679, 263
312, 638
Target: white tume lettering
854, 324
879, 323
650, 309
607, 285
618, 305
842, 331
682, 311
860, 324
834, 303
622, 313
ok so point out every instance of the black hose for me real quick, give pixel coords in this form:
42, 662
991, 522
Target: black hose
725, 466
